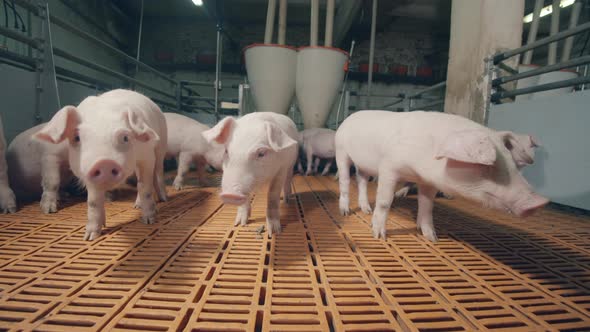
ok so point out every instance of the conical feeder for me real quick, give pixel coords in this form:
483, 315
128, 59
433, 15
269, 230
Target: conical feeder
271, 73
320, 71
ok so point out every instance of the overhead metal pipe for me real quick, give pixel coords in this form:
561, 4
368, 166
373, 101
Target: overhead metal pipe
372, 51
528, 56
552, 55
569, 42
282, 21
270, 21
329, 23
313, 31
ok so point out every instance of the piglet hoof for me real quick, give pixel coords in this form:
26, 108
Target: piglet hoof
380, 232
429, 234
148, 219
273, 226
92, 234
178, 184
8, 203
366, 208
48, 205
241, 218
344, 208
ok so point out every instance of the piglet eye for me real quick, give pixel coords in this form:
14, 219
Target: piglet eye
125, 138
77, 138
261, 154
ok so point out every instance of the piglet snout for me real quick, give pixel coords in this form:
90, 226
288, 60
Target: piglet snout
105, 172
529, 204
233, 198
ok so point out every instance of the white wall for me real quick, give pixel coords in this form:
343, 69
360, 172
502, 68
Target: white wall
561, 123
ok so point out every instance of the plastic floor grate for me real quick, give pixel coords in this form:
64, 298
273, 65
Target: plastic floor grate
195, 271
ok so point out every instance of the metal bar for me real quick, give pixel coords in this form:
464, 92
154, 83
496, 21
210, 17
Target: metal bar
282, 21
329, 23
428, 89
217, 70
507, 68
538, 88
552, 53
202, 83
541, 70
270, 21
425, 107
19, 37
59, 22
314, 22
17, 58
63, 72
199, 98
109, 71
371, 52
534, 28
393, 103
541, 42
139, 39
27, 5
569, 42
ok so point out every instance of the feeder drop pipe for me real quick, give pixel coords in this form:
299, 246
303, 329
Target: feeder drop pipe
315, 13
329, 23
552, 55
371, 52
569, 42
282, 21
528, 56
270, 21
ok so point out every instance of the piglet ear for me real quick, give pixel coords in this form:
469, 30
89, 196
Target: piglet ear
535, 143
141, 131
471, 146
61, 126
221, 132
277, 138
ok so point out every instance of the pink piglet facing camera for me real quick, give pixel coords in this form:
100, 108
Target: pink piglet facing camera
260, 149
110, 137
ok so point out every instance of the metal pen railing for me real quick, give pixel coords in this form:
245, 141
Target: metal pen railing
174, 93
409, 99
499, 93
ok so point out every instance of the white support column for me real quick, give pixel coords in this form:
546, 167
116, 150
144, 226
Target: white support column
479, 28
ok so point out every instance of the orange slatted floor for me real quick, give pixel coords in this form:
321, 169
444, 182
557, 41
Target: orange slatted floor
195, 271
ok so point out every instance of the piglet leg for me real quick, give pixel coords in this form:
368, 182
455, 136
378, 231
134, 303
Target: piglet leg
243, 214
362, 182
184, 162
145, 190
96, 214
385, 193
424, 221
273, 223
50, 181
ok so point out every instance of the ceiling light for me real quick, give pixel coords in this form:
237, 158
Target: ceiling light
198, 2
548, 10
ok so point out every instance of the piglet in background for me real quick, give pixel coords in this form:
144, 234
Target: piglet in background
437, 151
319, 143
38, 168
7, 198
186, 143
260, 148
110, 137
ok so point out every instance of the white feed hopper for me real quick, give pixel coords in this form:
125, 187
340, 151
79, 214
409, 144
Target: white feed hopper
271, 74
320, 71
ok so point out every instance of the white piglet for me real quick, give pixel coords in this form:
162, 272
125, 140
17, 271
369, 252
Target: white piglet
260, 148
7, 198
319, 143
38, 168
437, 151
110, 137
186, 143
